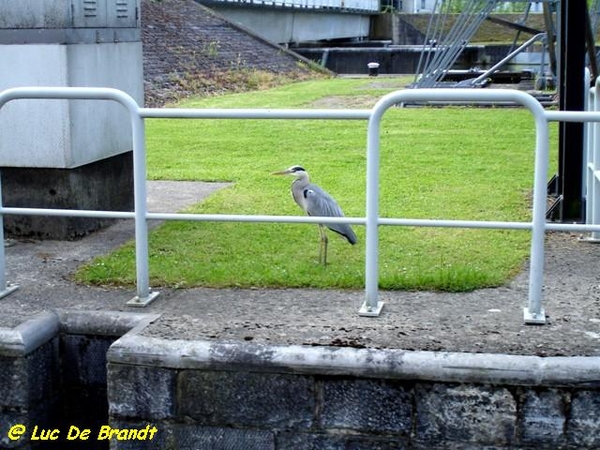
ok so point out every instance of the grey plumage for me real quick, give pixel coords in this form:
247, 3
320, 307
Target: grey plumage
316, 202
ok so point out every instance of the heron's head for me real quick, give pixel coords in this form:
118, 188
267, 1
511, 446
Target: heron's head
297, 171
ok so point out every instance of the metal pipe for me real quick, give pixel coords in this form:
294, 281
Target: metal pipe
183, 113
140, 200
139, 161
507, 58
67, 213
573, 116
534, 312
594, 157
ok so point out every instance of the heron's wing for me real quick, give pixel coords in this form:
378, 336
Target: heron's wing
320, 203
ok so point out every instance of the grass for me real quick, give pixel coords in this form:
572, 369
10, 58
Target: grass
452, 163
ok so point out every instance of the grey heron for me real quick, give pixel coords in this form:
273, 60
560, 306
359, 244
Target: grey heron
316, 202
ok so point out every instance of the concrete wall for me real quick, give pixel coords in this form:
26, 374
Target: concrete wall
61, 133
286, 26
67, 43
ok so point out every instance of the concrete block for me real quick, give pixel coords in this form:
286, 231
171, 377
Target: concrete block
13, 382
366, 405
583, 428
140, 391
542, 418
309, 441
67, 133
264, 400
31, 378
34, 14
465, 413
211, 438
102, 185
162, 439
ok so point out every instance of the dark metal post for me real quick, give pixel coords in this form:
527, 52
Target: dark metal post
572, 51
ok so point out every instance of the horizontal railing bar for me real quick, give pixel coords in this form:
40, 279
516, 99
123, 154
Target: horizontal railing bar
581, 227
254, 218
67, 213
434, 223
431, 223
572, 116
184, 113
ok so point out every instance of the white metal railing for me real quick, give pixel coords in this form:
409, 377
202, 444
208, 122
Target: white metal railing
592, 164
533, 312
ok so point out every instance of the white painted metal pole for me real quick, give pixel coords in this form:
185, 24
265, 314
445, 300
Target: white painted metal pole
593, 194
5, 288
534, 313
144, 296
371, 306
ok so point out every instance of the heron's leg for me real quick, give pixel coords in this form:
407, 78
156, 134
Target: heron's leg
323, 247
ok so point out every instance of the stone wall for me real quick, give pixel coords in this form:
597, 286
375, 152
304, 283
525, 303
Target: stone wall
174, 394
188, 48
53, 377
240, 410
29, 391
241, 396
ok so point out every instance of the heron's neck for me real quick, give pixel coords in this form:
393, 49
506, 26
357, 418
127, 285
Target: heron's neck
302, 181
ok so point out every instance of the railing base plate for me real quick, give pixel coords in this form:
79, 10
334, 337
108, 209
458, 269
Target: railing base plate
140, 302
368, 311
534, 319
9, 290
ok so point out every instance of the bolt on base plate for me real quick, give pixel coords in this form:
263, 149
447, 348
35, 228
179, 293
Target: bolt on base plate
534, 319
140, 302
370, 311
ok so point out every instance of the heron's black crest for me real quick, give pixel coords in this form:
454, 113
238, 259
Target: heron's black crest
298, 169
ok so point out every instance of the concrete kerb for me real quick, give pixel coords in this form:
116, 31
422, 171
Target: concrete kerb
396, 364
29, 335
133, 349
34, 332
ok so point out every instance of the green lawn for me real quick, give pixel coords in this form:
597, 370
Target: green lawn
452, 163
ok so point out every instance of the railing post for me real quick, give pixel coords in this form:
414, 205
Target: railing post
534, 313
592, 181
372, 306
5, 288
144, 296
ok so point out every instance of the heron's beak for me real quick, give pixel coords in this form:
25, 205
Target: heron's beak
285, 172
